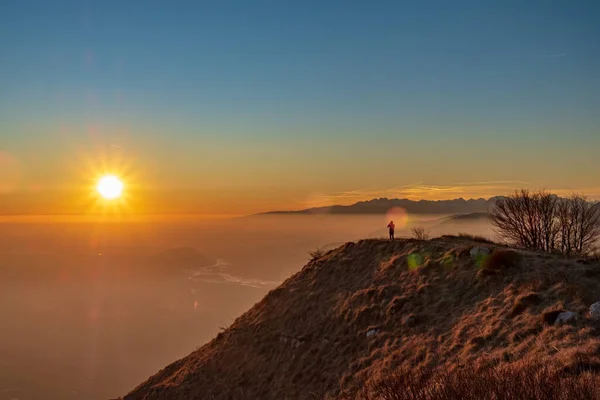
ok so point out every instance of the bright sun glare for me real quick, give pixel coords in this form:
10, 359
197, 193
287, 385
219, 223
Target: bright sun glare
110, 187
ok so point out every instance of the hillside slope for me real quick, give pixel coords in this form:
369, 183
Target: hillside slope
367, 309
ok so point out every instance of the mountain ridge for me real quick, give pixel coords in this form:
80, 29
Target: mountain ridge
383, 205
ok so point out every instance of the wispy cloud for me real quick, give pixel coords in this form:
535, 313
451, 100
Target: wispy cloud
557, 55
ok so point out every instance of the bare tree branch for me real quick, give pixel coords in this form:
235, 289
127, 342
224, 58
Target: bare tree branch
543, 221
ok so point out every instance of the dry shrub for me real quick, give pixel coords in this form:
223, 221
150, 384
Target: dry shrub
475, 238
515, 382
316, 254
420, 233
500, 260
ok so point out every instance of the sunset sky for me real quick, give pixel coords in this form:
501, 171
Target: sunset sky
232, 107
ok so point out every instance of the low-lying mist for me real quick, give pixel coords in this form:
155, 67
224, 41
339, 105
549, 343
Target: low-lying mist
89, 309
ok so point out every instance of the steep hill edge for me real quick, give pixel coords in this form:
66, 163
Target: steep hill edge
366, 309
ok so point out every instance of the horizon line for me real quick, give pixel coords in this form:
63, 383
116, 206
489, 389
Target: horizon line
237, 215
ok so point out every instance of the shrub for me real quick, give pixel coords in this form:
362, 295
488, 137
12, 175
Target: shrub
420, 233
316, 254
475, 238
500, 260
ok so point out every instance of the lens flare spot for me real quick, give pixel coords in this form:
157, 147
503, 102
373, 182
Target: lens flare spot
448, 261
398, 215
415, 261
481, 259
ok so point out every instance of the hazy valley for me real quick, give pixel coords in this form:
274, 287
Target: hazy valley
92, 308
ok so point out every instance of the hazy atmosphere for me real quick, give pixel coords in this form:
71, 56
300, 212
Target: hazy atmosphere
178, 178
90, 309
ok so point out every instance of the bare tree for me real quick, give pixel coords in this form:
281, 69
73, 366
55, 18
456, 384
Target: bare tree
527, 219
579, 225
543, 221
549, 225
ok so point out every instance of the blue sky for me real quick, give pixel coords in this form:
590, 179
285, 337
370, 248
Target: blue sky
344, 82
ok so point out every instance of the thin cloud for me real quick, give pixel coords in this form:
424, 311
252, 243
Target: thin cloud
557, 55
493, 183
592, 193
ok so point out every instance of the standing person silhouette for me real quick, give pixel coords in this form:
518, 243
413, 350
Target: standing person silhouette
391, 226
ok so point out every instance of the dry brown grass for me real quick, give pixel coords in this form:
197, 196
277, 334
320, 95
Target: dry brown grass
307, 339
523, 301
517, 382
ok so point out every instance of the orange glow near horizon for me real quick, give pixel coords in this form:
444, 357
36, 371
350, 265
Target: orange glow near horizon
152, 188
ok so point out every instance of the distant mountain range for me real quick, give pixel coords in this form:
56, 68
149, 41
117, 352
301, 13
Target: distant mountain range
383, 205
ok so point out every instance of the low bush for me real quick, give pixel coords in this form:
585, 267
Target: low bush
420, 233
316, 254
500, 260
475, 238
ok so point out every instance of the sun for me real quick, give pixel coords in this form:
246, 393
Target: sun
110, 187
